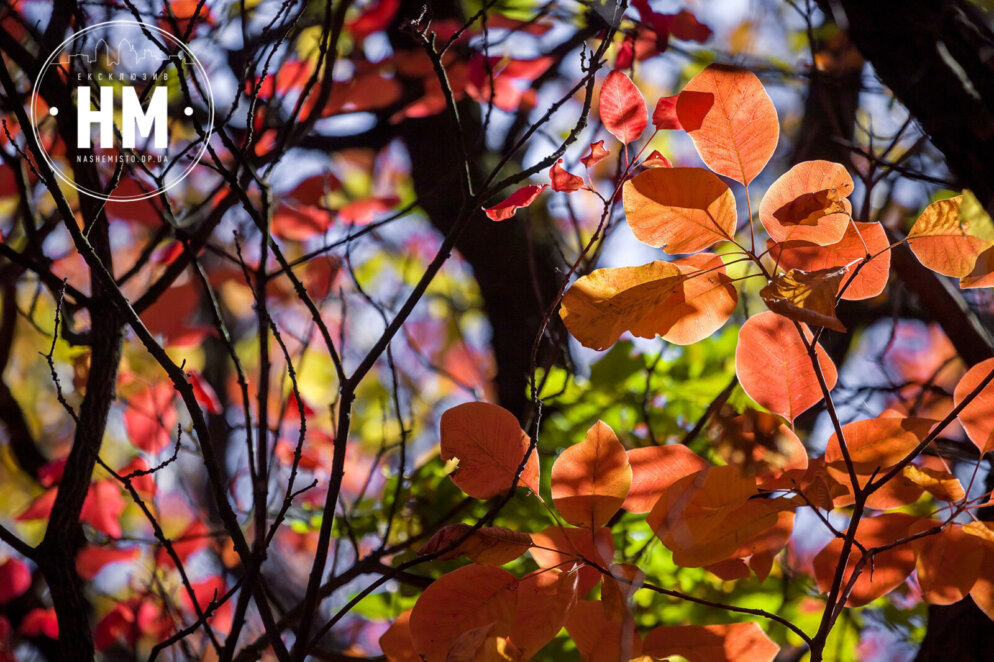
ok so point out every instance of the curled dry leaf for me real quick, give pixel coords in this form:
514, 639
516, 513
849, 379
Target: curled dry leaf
977, 417
735, 642
859, 241
806, 296
774, 368
808, 203
681, 210
595, 155
731, 119
622, 108
490, 446
950, 235
489, 545
590, 480
563, 181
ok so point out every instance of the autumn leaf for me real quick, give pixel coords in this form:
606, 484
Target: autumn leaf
665, 116
977, 417
890, 567
591, 479
774, 368
878, 443
938, 482
699, 306
595, 155
489, 545
15, 579
859, 241
557, 545
599, 307
806, 296
982, 274
731, 119
808, 203
459, 601
950, 235
656, 160
622, 108
523, 197
598, 636
681, 210
396, 642
91, 559
564, 181
490, 446
654, 468
545, 598
735, 642
948, 562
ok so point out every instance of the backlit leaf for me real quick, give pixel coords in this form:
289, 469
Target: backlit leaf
622, 108
600, 638
681, 210
590, 480
544, 600
489, 545
664, 116
735, 642
490, 446
948, 562
523, 197
563, 181
773, 366
654, 468
977, 417
878, 443
460, 601
808, 203
557, 545
731, 119
859, 240
938, 482
951, 234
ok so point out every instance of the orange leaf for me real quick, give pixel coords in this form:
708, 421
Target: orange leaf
878, 443
681, 210
890, 568
596, 154
977, 417
938, 482
396, 642
806, 296
556, 546
774, 368
490, 447
601, 306
700, 305
735, 642
808, 203
664, 116
982, 592
859, 240
655, 468
948, 562
622, 107
489, 545
460, 601
983, 272
544, 600
950, 235
523, 197
590, 480
735, 130
600, 638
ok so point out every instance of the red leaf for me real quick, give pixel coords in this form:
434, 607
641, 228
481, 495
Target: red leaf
684, 25
38, 622
655, 468
365, 211
40, 508
591, 479
523, 197
736, 642
92, 558
204, 394
626, 52
373, 19
557, 545
596, 154
657, 160
15, 579
143, 484
150, 418
103, 507
665, 117
563, 181
622, 107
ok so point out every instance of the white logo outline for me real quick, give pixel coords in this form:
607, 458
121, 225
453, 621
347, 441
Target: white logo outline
98, 194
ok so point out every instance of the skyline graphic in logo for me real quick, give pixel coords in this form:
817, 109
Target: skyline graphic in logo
126, 103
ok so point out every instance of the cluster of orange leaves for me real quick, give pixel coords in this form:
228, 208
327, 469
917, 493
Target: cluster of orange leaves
732, 519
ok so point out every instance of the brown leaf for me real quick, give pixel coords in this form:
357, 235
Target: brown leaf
806, 296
